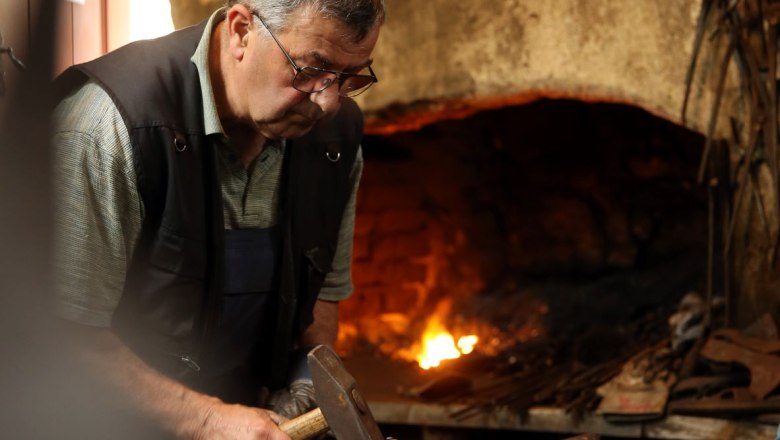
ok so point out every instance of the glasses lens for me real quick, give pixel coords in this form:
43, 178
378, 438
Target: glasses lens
355, 85
311, 80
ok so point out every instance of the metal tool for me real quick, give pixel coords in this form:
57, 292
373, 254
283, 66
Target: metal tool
342, 408
10, 52
764, 368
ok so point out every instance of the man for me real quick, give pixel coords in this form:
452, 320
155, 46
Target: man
206, 187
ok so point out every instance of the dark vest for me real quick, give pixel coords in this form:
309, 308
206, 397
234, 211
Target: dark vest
169, 308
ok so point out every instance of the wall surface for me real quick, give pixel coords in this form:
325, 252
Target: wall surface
190, 12
442, 54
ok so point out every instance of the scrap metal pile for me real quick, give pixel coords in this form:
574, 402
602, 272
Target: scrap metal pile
734, 374
564, 372
727, 373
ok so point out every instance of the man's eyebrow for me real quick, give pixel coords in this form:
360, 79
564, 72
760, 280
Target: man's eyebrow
327, 63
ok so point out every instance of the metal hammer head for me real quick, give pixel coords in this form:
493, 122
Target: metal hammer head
339, 399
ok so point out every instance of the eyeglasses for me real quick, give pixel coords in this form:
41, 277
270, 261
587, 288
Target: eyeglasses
314, 80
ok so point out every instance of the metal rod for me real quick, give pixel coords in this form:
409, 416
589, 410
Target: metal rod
710, 250
771, 127
700, 26
742, 181
760, 205
715, 109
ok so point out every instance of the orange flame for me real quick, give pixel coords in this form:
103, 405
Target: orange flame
438, 344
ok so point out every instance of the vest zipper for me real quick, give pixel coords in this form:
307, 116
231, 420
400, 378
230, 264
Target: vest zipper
190, 362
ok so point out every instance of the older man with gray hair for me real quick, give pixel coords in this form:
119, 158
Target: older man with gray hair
206, 186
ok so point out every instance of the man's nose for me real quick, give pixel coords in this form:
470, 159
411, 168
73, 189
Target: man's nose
328, 100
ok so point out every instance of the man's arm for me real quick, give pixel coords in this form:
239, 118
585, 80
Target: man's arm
98, 219
178, 409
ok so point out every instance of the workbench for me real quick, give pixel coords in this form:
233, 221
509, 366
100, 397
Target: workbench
383, 381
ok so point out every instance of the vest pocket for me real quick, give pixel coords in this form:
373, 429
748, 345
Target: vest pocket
178, 255
164, 293
320, 260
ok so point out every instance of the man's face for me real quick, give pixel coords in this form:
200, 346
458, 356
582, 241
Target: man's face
270, 103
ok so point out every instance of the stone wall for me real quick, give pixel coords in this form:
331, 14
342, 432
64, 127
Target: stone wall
449, 58
190, 12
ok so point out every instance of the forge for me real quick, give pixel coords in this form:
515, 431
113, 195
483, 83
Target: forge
525, 221
559, 232
562, 234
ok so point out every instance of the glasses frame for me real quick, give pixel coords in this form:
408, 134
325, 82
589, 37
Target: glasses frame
340, 77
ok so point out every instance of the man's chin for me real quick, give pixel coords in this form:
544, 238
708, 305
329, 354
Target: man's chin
290, 131
298, 131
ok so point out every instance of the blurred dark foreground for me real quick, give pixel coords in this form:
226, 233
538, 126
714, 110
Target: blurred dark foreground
46, 393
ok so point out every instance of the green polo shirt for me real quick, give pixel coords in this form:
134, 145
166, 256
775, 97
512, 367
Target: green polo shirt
99, 211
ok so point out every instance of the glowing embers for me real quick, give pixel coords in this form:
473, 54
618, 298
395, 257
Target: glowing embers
429, 337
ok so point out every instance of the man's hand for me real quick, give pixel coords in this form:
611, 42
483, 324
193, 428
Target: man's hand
296, 400
236, 422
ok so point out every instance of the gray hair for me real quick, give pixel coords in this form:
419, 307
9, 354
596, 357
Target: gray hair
360, 16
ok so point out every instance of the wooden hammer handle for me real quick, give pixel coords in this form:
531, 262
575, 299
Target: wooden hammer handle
307, 426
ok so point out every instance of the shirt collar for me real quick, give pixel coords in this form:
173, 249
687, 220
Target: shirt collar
200, 58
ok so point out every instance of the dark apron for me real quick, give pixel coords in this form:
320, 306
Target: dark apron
239, 363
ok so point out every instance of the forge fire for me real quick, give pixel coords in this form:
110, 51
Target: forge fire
508, 232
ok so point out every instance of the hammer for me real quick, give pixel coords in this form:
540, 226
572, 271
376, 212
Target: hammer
341, 406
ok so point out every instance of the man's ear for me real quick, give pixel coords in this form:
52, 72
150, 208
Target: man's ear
239, 22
